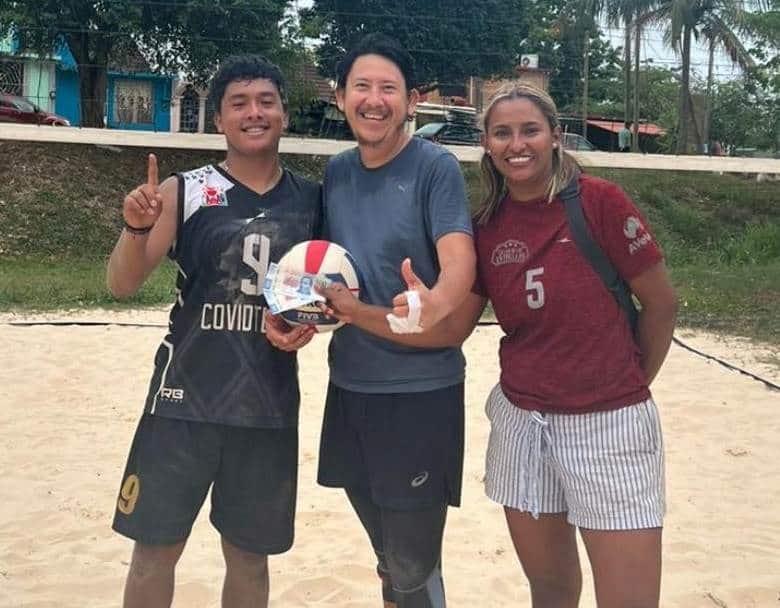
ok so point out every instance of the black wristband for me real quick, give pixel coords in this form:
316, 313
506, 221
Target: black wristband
138, 231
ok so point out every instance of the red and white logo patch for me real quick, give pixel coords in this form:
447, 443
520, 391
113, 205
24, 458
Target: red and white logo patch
632, 227
214, 196
509, 252
636, 234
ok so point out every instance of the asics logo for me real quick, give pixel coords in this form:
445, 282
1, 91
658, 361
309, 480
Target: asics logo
420, 479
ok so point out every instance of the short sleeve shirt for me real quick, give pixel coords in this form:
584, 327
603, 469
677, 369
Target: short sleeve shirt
568, 347
382, 216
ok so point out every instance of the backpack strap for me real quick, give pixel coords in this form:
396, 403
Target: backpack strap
593, 253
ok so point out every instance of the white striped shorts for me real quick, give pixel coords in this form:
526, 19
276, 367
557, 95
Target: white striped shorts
604, 469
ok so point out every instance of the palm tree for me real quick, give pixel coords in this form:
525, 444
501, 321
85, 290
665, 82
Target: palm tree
719, 33
631, 14
689, 19
587, 12
623, 12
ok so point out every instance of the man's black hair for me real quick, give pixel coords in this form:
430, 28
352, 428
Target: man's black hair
384, 46
244, 68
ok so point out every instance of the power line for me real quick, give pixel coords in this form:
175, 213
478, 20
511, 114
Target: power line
60, 323
443, 15
721, 68
730, 366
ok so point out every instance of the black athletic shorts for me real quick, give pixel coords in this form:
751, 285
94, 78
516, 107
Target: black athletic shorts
406, 449
173, 463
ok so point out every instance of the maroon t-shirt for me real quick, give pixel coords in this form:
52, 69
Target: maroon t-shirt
568, 347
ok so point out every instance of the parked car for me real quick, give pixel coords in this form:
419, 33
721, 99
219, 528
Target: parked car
450, 133
575, 141
18, 109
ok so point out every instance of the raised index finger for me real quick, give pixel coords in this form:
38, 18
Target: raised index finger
152, 176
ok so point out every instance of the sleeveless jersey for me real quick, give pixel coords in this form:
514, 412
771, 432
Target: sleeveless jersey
215, 364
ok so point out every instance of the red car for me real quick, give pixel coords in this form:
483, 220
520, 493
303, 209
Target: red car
17, 109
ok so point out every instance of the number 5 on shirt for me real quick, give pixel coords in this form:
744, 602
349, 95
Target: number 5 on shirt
534, 288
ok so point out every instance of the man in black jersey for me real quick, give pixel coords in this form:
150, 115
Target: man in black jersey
221, 412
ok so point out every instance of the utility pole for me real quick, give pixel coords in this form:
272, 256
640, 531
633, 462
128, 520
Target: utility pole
585, 78
635, 130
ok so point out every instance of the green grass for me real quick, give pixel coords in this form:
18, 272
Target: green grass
49, 284
742, 300
60, 216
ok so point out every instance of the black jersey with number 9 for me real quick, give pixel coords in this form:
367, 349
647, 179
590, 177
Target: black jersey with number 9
215, 364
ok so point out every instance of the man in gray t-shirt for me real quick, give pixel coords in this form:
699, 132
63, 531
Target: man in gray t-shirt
383, 216
624, 138
392, 433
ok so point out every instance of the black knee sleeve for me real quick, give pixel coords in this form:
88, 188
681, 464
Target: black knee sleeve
412, 551
427, 594
383, 572
408, 549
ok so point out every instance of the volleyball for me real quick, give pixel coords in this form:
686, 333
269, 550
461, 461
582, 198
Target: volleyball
325, 259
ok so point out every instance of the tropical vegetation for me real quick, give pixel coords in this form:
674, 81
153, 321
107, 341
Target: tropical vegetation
451, 42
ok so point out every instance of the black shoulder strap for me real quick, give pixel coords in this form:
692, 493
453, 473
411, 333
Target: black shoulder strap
592, 252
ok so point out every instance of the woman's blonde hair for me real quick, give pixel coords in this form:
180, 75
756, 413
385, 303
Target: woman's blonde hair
565, 166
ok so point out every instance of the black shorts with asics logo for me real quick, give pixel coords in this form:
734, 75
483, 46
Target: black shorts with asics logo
172, 465
405, 449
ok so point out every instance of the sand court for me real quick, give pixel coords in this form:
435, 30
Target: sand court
71, 397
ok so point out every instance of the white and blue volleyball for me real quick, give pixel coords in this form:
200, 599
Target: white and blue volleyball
326, 259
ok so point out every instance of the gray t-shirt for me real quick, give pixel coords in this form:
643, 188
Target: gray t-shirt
382, 216
624, 138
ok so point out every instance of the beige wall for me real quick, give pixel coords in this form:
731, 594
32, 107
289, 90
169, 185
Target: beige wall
537, 78
434, 97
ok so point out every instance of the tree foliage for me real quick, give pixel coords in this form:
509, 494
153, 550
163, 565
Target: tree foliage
450, 40
765, 24
746, 114
188, 36
721, 21
197, 34
765, 27
555, 34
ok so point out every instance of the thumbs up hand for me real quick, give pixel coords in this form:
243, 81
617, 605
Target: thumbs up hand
416, 309
143, 206
412, 280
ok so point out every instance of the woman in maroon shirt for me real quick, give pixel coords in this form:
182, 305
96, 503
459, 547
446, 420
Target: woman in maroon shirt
575, 435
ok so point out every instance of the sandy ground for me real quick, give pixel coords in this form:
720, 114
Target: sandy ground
70, 397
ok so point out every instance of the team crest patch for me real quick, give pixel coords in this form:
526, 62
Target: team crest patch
509, 252
213, 196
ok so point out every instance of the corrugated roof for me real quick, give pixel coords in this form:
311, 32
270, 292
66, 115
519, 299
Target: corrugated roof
645, 128
322, 86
